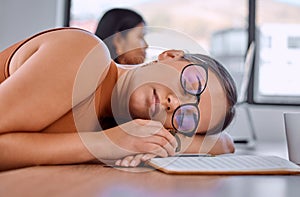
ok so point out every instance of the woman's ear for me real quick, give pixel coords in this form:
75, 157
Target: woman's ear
171, 54
118, 42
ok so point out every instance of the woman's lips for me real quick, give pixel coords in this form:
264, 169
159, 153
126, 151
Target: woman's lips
155, 105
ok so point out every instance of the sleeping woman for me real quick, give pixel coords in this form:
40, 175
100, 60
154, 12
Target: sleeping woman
63, 100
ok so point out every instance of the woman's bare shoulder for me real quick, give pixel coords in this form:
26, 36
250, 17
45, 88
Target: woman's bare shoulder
68, 38
74, 43
67, 44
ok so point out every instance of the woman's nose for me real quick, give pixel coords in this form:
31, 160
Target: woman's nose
172, 103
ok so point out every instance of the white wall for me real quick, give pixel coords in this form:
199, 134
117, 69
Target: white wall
22, 18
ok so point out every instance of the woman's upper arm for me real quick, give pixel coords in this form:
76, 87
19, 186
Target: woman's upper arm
57, 76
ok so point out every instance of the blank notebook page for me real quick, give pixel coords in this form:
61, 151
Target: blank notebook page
225, 164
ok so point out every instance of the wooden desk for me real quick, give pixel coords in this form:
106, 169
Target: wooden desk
96, 180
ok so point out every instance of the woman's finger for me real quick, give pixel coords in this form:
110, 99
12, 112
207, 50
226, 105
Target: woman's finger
155, 149
136, 160
163, 143
168, 136
126, 161
147, 157
130, 161
118, 162
154, 128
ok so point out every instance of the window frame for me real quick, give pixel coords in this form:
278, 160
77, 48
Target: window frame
253, 84
252, 36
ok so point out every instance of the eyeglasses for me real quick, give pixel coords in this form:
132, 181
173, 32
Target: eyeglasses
186, 117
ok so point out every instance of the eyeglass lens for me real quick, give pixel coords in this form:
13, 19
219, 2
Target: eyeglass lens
193, 79
186, 118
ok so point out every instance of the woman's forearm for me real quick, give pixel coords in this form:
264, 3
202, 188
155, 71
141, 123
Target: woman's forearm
28, 149
214, 144
135, 137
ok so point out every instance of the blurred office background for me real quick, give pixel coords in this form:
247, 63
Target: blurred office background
224, 29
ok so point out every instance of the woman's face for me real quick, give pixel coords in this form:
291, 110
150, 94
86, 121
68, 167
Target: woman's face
160, 93
131, 48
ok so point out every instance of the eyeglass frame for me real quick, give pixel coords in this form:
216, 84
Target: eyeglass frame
191, 133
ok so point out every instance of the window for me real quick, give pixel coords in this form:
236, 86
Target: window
278, 59
293, 42
219, 27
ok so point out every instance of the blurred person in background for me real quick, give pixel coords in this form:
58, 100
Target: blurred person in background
122, 30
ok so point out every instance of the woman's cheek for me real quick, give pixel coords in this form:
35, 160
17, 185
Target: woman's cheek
137, 107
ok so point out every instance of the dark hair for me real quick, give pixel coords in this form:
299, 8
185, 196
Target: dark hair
228, 84
114, 21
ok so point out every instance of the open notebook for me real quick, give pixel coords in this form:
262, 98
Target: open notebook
230, 164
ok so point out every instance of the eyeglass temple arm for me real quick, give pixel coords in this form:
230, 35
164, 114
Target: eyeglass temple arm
174, 133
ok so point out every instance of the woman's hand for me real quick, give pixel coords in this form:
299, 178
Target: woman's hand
143, 136
135, 160
132, 138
